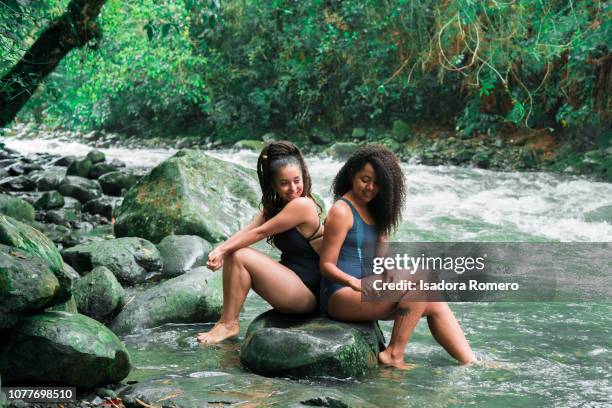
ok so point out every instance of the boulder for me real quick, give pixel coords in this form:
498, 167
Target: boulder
64, 161
99, 295
27, 285
102, 205
196, 296
79, 168
247, 144
115, 182
80, 188
65, 348
96, 156
341, 150
180, 253
22, 236
277, 344
16, 207
50, 200
68, 306
48, 179
190, 193
18, 183
400, 131
99, 169
131, 260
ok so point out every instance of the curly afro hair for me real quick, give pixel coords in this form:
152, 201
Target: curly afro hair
386, 207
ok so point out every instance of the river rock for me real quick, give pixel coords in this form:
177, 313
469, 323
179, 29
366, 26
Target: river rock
249, 144
115, 182
99, 295
23, 167
190, 193
79, 168
28, 285
18, 183
50, 200
80, 188
196, 296
80, 237
277, 344
64, 161
131, 259
341, 150
19, 235
16, 207
401, 131
64, 348
180, 253
102, 205
96, 156
99, 169
68, 306
48, 179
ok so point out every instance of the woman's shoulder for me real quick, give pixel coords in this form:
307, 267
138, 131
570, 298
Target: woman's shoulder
340, 210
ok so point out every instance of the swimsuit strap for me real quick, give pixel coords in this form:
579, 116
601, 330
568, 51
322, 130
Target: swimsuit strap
313, 237
358, 226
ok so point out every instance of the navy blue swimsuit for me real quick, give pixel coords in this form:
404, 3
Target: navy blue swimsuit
298, 255
356, 254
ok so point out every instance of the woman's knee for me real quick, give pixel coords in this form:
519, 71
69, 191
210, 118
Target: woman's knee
239, 255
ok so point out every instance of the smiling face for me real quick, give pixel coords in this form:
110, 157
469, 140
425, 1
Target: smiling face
364, 186
288, 182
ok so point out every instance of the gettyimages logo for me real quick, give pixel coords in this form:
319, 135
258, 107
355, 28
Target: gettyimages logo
469, 272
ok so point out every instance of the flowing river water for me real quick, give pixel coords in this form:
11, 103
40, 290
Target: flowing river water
532, 353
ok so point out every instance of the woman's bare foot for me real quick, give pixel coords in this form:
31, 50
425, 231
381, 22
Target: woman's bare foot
389, 358
221, 331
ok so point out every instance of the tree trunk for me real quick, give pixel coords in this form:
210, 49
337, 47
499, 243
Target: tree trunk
71, 30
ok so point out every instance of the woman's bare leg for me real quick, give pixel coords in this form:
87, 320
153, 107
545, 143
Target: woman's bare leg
346, 304
278, 285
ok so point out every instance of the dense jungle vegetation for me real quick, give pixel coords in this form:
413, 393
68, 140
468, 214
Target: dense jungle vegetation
236, 69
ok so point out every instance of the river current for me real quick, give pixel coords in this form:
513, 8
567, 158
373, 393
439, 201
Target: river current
532, 353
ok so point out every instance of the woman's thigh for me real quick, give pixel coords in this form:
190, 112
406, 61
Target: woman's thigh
276, 283
346, 304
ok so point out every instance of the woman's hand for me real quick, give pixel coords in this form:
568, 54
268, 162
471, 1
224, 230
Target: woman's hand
355, 284
215, 259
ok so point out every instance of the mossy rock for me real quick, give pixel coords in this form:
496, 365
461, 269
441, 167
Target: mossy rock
95, 156
181, 253
299, 346
601, 214
16, 207
27, 285
79, 168
48, 179
50, 200
99, 294
401, 131
341, 150
80, 188
65, 348
100, 169
115, 182
68, 306
190, 193
132, 260
248, 144
194, 297
28, 239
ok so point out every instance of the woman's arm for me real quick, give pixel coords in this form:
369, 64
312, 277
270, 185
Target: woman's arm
295, 213
339, 222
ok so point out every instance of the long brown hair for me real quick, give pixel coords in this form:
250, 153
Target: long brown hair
273, 157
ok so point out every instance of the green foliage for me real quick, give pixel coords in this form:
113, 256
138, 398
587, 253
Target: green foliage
236, 69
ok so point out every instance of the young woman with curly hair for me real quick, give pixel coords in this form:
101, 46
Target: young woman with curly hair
289, 218
370, 191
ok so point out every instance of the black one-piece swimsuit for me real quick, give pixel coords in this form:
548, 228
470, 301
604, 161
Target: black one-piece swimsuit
298, 255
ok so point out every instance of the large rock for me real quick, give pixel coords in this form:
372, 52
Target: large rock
27, 284
96, 156
196, 296
99, 169
80, 188
180, 253
79, 168
62, 347
99, 295
131, 260
341, 150
48, 179
190, 193
16, 207
19, 235
292, 345
102, 205
18, 183
50, 200
115, 182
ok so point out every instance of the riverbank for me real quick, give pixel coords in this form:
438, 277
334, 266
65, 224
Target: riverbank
522, 150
